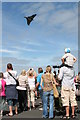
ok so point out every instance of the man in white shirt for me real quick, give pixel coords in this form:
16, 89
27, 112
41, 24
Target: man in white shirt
68, 89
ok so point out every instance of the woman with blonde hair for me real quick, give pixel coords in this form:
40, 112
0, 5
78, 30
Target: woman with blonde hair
22, 91
31, 92
47, 79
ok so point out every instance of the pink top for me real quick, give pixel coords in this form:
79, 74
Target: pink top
2, 93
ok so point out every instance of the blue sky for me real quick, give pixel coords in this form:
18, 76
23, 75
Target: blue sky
54, 28
40, 0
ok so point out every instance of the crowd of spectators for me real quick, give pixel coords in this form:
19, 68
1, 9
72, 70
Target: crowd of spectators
30, 84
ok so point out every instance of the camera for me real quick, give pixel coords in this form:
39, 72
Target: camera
55, 66
30, 68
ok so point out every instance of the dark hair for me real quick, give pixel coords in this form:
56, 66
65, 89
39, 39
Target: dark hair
9, 66
40, 70
1, 75
78, 73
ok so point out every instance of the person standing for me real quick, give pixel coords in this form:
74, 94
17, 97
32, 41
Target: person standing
11, 92
2, 94
68, 90
31, 91
47, 79
22, 91
38, 84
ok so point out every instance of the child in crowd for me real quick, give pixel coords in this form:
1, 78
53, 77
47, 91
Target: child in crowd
68, 59
2, 93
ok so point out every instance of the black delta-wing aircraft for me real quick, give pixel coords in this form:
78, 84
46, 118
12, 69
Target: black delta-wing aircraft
30, 18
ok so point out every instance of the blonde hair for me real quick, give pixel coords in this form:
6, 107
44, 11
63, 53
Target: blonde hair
48, 69
30, 73
23, 72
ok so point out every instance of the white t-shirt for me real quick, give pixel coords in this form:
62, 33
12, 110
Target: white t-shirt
10, 80
67, 77
69, 59
31, 82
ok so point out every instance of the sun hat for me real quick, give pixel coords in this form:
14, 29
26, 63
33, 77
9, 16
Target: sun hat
67, 50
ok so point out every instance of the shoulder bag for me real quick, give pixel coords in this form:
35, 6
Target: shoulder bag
55, 91
17, 83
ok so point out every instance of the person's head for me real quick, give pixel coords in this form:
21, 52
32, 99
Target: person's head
23, 73
48, 69
31, 72
9, 66
67, 50
40, 70
1, 75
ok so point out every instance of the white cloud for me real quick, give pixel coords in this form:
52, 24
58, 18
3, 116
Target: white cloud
10, 53
46, 8
31, 42
29, 8
67, 20
25, 49
29, 49
6, 51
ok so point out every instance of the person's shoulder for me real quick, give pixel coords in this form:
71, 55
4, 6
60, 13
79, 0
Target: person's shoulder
13, 71
64, 55
3, 81
5, 74
20, 76
40, 74
25, 77
72, 56
69, 54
